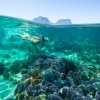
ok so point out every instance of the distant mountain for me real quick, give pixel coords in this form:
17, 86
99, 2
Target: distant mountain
63, 22
45, 20
42, 20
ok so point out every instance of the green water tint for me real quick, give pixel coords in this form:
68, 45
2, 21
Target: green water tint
79, 43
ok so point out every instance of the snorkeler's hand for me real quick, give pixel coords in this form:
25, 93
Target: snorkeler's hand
13, 35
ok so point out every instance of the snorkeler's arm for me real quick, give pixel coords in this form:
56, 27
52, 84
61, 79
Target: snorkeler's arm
15, 35
23, 36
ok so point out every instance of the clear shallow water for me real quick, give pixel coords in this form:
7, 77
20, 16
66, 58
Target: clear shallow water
78, 43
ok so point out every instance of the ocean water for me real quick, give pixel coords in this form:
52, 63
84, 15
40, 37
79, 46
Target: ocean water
79, 44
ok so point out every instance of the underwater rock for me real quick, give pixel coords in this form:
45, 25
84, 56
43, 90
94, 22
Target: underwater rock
33, 72
15, 67
24, 64
2, 68
53, 97
37, 90
97, 96
97, 56
54, 89
86, 74
49, 87
56, 64
46, 86
65, 92
40, 97
59, 83
69, 65
49, 75
71, 93
90, 88
76, 75
38, 63
69, 82
52, 70
86, 98
20, 88
9, 99
77, 92
55, 78
49, 62
24, 71
26, 88
29, 90
6, 74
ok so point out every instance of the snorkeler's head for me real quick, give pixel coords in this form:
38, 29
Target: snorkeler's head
45, 39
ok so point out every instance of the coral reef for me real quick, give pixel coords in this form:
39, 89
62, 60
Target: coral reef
25, 88
2, 68
52, 78
6, 74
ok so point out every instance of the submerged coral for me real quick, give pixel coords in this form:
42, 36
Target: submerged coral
46, 79
25, 88
2, 68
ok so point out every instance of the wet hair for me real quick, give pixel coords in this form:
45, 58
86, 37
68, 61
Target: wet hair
43, 38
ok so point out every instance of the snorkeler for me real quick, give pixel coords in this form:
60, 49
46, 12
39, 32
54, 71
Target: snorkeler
34, 39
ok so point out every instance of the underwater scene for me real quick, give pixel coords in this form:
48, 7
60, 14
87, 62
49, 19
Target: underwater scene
49, 62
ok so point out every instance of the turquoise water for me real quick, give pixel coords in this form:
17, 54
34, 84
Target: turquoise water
77, 43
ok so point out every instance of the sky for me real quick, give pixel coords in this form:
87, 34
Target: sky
79, 11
